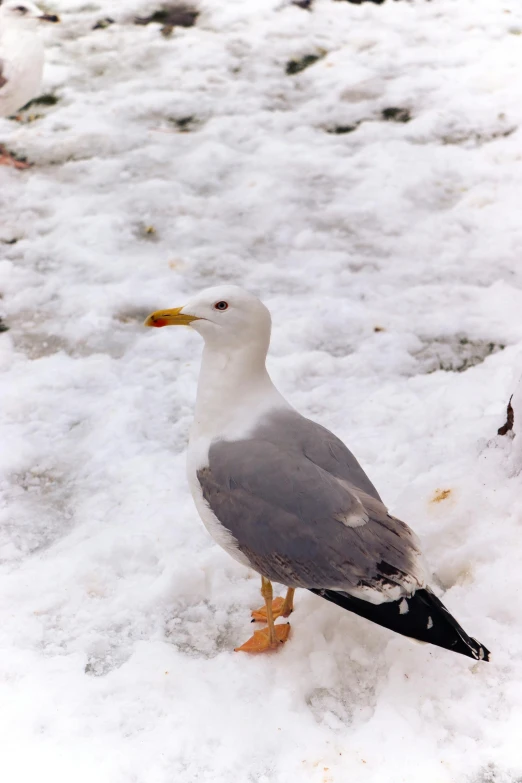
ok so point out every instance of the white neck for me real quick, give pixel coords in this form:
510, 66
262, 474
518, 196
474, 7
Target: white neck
20, 41
234, 389
10, 25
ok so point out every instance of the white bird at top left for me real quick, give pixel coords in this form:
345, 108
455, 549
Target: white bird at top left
21, 60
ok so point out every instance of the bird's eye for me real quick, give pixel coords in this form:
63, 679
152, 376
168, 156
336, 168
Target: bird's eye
221, 306
21, 9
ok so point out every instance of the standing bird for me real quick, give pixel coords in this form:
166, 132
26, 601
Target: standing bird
284, 496
21, 60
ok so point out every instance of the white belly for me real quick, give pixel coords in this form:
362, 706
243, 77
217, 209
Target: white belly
23, 71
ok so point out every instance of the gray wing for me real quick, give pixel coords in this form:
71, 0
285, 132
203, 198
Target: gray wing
289, 430
299, 518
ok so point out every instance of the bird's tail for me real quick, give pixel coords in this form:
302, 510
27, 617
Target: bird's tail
421, 616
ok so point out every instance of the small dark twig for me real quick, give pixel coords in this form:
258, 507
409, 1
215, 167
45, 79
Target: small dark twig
47, 99
395, 114
102, 24
508, 426
296, 66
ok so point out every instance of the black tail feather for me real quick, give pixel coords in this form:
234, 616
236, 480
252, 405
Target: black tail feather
421, 616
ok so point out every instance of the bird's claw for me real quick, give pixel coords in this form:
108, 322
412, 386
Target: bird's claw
260, 641
278, 610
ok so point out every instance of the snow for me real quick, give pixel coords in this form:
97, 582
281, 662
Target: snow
390, 259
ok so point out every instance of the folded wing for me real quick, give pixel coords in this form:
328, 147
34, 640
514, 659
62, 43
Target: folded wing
305, 514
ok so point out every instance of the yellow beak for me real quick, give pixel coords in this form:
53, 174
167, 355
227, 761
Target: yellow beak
172, 317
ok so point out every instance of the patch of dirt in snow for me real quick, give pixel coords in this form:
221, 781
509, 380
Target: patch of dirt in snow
454, 354
37, 344
492, 774
41, 511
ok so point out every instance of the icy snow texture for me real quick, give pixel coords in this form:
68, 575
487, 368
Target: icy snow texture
381, 252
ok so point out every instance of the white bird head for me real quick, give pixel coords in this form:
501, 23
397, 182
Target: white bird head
23, 13
226, 317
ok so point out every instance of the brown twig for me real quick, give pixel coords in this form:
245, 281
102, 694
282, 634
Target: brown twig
508, 426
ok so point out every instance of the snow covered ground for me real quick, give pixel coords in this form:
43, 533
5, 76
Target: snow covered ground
373, 201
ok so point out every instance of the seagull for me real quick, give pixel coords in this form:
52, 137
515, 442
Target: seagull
21, 60
285, 497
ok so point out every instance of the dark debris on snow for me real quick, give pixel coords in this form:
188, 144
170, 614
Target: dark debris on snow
171, 15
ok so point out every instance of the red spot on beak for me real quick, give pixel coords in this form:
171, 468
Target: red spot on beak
159, 322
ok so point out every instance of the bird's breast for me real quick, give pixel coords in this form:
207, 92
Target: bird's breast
23, 66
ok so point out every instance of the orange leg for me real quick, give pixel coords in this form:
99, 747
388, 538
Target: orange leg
271, 637
280, 607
